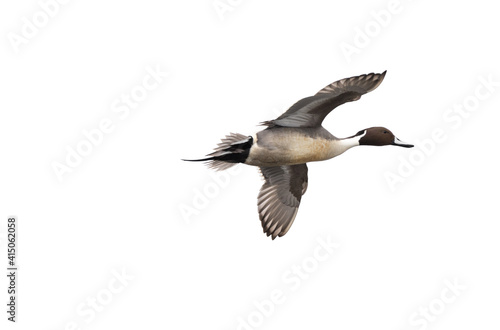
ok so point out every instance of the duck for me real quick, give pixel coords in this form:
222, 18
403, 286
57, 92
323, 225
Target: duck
283, 148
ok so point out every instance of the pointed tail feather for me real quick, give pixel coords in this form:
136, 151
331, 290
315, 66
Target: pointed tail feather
232, 149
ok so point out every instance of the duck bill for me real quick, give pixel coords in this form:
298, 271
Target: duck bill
399, 143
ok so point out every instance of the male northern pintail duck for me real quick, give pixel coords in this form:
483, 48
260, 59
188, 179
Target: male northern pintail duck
295, 138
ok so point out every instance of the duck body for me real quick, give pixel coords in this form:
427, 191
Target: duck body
277, 146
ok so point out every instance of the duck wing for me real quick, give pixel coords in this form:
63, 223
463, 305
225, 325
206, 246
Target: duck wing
279, 197
310, 111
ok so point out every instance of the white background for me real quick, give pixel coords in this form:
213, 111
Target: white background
120, 209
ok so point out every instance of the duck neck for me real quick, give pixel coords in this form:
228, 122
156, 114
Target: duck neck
340, 146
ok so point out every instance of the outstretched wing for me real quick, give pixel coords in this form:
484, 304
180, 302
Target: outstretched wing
310, 111
279, 197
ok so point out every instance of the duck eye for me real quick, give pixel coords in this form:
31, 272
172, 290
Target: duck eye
385, 132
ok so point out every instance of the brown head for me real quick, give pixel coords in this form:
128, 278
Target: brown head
380, 136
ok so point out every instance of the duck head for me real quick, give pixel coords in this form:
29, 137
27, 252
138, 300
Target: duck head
380, 136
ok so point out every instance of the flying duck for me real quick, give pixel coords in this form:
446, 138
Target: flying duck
295, 138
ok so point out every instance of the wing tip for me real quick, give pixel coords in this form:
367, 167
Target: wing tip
376, 80
382, 75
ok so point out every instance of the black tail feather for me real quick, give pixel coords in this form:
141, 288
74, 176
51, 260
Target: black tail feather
199, 160
233, 149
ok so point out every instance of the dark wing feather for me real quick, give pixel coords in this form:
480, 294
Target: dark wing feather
312, 110
279, 198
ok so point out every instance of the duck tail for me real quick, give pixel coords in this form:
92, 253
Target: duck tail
232, 149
